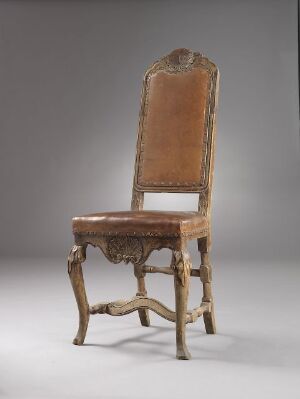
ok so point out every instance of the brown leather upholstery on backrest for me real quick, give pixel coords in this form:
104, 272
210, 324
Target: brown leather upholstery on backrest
176, 124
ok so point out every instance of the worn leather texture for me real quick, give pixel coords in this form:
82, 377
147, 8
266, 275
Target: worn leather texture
141, 223
173, 133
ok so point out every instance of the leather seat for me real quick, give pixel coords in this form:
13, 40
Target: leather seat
142, 223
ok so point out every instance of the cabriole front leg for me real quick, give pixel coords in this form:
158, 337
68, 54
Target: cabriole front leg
76, 257
182, 267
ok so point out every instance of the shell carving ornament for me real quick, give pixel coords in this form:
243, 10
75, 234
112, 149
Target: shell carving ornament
180, 60
126, 249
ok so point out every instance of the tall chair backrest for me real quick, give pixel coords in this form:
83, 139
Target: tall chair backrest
175, 146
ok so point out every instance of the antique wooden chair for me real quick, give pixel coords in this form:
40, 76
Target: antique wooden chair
175, 151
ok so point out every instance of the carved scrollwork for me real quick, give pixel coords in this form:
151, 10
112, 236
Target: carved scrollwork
179, 60
76, 256
181, 264
126, 249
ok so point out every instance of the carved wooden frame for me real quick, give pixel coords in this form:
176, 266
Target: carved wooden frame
136, 248
128, 248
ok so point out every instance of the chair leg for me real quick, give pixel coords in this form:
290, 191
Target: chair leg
76, 257
143, 313
205, 276
182, 265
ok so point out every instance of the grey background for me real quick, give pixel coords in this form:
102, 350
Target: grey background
70, 81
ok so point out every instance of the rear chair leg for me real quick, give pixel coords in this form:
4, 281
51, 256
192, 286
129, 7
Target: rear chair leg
143, 313
181, 265
76, 257
205, 276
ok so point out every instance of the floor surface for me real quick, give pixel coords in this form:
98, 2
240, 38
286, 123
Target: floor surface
255, 354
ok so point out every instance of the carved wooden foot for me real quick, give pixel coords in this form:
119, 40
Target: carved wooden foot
182, 265
205, 276
76, 257
143, 313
